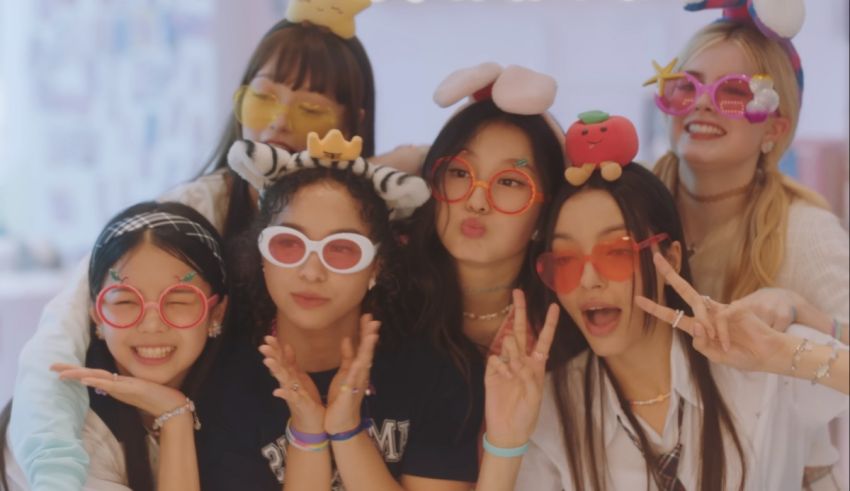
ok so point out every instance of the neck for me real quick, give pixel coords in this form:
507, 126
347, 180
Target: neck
643, 370
317, 348
701, 215
486, 289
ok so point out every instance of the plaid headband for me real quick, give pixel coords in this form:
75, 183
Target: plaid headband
159, 219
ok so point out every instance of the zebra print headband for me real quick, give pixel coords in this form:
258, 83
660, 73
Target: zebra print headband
262, 165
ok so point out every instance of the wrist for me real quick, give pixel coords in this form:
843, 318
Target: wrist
809, 315
504, 452
342, 436
187, 409
782, 359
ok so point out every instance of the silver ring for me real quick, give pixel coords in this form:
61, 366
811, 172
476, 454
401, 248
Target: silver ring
707, 301
114, 376
294, 387
679, 315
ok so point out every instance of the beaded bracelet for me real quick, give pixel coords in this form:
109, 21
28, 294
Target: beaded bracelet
162, 418
317, 441
347, 435
836, 328
823, 370
504, 452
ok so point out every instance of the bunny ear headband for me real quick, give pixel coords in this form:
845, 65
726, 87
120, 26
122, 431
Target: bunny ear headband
262, 165
779, 20
513, 89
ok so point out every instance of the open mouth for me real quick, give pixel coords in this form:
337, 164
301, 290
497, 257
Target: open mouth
153, 354
704, 129
601, 321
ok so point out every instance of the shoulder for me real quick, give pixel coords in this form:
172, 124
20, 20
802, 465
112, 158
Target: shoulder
207, 194
804, 217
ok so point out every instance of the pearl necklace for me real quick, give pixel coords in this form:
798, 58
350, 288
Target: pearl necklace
487, 317
649, 402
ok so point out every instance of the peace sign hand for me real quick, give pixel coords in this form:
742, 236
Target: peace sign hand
150, 397
741, 340
514, 381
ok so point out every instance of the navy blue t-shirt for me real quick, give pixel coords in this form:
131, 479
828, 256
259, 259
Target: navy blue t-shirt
426, 418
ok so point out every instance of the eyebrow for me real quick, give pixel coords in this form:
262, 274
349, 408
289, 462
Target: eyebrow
507, 161
337, 231
613, 228
697, 74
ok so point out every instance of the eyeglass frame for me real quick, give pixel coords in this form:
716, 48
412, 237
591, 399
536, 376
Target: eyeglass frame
536, 196
702, 88
368, 249
209, 303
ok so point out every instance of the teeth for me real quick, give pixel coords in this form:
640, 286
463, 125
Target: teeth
704, 129
154, 352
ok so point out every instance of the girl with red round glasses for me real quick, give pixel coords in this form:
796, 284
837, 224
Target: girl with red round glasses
158, 295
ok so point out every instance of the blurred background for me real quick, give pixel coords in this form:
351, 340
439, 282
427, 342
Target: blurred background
104, 103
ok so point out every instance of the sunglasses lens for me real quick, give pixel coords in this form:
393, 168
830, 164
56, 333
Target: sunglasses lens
342, 254
286, 248
678, 94
615, 259
305, 117
182, 306
120, 306
255, 110
560, 271
511, 191
732, 97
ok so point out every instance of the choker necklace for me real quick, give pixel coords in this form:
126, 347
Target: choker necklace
487, 317
649, 402
712, 198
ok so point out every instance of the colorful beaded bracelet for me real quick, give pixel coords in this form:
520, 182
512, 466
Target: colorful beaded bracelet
304, 445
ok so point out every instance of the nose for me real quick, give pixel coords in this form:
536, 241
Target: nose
703, 101
151, 320
312, 270
590, 278
477, 202
282, 120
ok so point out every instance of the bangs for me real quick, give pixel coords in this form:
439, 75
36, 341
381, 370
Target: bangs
307, 60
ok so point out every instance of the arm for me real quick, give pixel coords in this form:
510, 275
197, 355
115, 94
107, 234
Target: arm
46, 441
809, 362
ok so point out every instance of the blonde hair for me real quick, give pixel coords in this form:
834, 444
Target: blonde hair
766, 216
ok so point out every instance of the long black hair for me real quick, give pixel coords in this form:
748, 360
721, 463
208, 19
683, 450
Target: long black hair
648, 209
256, 310
311, 57
435, 292
123, 420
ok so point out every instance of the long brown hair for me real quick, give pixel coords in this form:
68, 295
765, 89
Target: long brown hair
766, 214
648, 209
306, 56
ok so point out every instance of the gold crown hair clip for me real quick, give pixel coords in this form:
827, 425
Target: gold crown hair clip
333, 146
336, 15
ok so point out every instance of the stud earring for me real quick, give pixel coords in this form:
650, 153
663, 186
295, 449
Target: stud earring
767, 147
535, 235
372, 283
98, 331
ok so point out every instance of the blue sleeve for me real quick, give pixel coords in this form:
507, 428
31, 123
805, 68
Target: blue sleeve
48, 414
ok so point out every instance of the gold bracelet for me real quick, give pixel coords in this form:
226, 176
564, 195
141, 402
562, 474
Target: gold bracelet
798, 352
823, 370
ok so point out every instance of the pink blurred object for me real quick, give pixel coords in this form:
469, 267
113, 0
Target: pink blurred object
823, 166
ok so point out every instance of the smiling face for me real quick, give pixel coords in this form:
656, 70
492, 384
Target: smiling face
310, 296
708, 140
471, 229
151, 350
602, 309
612, 139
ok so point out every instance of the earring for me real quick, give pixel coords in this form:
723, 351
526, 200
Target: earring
372, 283
767, 147
214, 330
535, 235
98, 331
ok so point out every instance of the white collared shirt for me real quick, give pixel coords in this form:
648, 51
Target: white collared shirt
774, 417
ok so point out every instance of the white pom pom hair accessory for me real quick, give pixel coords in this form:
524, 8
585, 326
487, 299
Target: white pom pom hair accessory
262, 165
513, 89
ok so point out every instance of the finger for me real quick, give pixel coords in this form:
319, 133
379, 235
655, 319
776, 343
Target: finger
665, 314
531, 384
682, 287
547, 335
496, 366
289, 358
106, 385
723, 330
511, 352
80, 373
59, 367
277, 371
347, 355
520, 319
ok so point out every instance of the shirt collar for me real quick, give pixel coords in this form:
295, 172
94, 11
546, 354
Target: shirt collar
681, 386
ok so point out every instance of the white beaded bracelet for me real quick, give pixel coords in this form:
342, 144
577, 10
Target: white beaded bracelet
823, 370
189, 406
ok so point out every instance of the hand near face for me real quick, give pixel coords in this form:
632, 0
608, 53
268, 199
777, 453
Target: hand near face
732, 335
296, 387
152, 398
514, 380
350, 383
